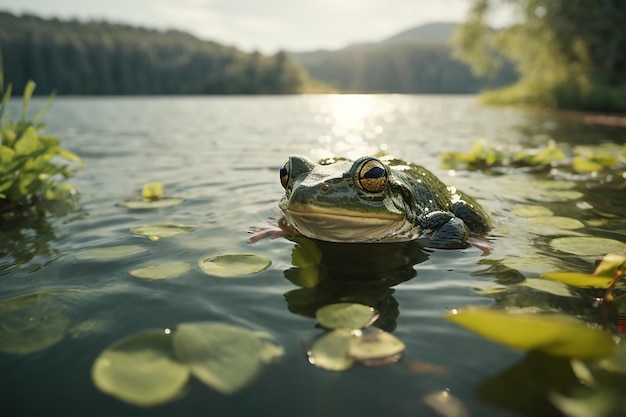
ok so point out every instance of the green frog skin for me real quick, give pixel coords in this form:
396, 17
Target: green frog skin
376, 200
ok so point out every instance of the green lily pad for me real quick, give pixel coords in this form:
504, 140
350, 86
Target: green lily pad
587, 246
32, 322
144, 204
552, 287
555, 334
161, 271
578, 279
555, 195
111, 253
225, 357
330, 352
376, 347
234, 265
558, 222
527, 210
530, 265
159, 230
346, 315
140, 369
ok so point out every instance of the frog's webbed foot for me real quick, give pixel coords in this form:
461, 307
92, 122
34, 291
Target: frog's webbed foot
273, 229
443, 230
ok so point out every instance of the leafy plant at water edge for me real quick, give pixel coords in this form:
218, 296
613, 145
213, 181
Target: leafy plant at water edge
30, 162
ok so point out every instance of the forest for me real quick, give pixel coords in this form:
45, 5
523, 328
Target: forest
570, 54
93, 58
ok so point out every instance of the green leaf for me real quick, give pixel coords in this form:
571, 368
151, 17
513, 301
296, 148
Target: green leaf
376, 347
160, 230
582, 165
141, 369
141, 204
610, 264
152, 191
42, 113
225, 357
28, 93
161, 271
32, 322
234, 265
5, 100
346, 315
578, 279
28, 143
524, 210
111, 253
330, 352
555, 334
6, 154
587, 246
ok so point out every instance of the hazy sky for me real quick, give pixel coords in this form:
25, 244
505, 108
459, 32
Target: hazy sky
266, 25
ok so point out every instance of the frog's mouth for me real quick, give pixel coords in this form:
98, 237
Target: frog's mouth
350, 227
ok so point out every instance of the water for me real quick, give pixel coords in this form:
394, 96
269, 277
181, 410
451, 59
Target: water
222, 155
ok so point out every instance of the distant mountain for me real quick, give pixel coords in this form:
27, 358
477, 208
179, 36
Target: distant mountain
73, 57
415, 61
430, 32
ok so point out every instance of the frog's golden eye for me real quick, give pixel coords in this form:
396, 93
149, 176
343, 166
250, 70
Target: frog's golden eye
371, 176
284, 175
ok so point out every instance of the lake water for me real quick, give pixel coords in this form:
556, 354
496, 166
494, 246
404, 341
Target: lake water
222, 155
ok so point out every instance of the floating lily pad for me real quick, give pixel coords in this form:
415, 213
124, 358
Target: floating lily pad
552, 287
159, 230
587, 246
527, 210
578, 279
530, 265
161, 271
376, 347
555, 334
111, 253
224, 357
143, 204
346, 315
32, 322
140, 369
555, 195
558, 222
234, 265
330, 352
446, 404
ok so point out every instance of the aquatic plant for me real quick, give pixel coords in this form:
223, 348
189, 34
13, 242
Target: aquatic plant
31, 163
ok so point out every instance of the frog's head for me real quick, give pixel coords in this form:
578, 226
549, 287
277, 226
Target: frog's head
345, 201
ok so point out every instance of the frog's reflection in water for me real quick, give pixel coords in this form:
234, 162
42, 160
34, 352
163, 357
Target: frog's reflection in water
351, 273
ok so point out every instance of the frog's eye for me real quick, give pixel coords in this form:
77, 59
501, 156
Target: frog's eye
371, 176
284, 175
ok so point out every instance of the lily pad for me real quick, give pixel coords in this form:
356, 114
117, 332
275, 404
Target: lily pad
346, 315
234, 265
552, 287
376, 347
578, 279
587, 246
32, 322
555, 334
566, 223
111, 253
159, 230
161, 271
330, 352
227, 358
144, 204
527, 210
141, 369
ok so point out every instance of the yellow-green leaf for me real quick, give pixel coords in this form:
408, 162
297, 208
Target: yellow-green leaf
330, 352
234, 265
28, 143
578, 279
152, 191
165, 270
346, 315
555, 334
582, 165
6, 154
610, 264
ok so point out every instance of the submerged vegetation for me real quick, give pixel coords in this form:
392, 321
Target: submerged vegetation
569, 53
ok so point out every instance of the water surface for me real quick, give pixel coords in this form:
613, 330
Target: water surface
222, 155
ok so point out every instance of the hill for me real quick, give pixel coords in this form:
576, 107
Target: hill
416, 61
75, 57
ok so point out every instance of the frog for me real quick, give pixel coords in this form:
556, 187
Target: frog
376, 200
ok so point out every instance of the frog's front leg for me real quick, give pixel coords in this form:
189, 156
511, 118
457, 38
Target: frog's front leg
443, 229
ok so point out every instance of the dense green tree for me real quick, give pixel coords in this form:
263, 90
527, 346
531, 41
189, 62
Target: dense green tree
72, 57
569, 53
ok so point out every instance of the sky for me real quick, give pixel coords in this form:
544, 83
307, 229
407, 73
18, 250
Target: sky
263, 25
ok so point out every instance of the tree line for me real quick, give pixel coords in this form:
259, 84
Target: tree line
72, 57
